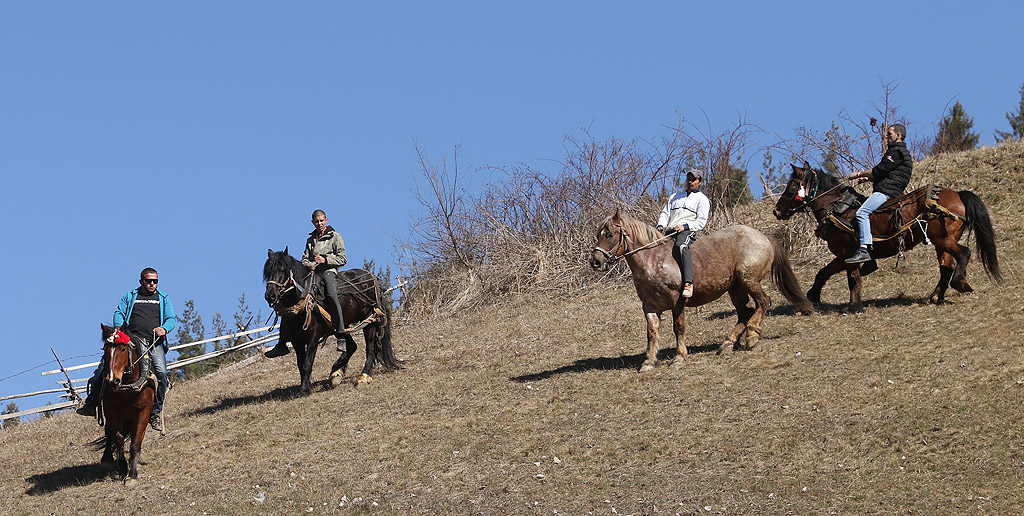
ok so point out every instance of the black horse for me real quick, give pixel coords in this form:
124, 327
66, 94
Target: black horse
303, 323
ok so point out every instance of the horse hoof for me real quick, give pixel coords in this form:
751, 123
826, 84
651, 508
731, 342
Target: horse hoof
678, 362
336, 380
647, 366
363, 380
130, 481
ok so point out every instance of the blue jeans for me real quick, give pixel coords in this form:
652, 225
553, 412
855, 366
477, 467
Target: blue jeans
159, 357
864, 216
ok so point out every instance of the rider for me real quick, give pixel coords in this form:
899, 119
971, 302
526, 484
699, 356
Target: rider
325, 252
149, 315
686, 213
890, 177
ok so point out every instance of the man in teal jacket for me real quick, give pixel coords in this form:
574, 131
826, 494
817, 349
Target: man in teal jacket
148, 315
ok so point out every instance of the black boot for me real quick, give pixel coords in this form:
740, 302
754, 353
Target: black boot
860, 256
280, 350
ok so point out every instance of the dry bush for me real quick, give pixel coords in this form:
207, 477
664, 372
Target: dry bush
529, 230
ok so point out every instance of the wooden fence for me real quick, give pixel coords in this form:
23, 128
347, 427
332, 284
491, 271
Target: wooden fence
71, 388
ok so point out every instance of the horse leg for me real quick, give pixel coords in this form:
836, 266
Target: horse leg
340, 365
853, 281
830, 269
653, 322
739, 299
756, 315
679, 327
962, 254
946, 270
370, 337
304, 355
138, 433
110, 436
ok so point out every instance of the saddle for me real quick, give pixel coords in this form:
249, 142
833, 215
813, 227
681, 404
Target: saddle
361, 289
849, 199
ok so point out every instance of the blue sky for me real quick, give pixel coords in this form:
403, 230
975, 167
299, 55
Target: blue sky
193, 136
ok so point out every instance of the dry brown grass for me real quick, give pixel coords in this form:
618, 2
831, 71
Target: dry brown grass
534, 406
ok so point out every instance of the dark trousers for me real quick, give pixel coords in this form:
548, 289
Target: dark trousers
683, 241
330, 279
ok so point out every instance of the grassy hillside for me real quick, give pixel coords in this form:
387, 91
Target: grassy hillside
534, 406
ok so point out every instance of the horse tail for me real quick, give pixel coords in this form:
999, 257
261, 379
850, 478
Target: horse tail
984, 239
98, 444
386, 352
785, 280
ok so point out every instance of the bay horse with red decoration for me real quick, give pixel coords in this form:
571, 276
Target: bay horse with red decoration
126, 401
930, 214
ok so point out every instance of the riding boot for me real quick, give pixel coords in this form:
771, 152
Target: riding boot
92, 399
279, 350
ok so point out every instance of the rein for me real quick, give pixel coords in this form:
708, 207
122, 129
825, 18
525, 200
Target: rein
623, 239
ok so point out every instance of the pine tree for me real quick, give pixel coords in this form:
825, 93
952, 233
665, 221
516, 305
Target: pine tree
955, 132
191, 329
11, 408
1016, 122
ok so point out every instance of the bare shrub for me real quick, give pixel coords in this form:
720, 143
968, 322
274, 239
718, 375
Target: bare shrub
531, 230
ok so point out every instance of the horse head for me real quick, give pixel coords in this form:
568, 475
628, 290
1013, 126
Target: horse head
610, 242
792, 198
279, 273
121, 354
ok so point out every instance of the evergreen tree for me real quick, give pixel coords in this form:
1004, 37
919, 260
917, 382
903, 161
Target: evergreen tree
11, 408
737, 187
1016, 122
955, 132
830, 155
243, 319
191, 329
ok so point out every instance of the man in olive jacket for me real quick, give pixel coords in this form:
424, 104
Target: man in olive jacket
325, 252
890, 177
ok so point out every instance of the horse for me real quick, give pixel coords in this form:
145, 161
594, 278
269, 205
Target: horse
304, 322
930, 214
126, 400
734, 259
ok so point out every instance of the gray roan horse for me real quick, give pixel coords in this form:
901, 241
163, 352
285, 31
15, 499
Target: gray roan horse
734, 259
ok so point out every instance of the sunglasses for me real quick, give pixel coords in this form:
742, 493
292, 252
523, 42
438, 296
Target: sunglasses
153, 281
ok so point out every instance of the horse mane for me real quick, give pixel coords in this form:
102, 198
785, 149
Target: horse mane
281, 260
827, 180
640, 232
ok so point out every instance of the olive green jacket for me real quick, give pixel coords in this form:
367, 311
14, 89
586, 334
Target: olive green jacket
329, 245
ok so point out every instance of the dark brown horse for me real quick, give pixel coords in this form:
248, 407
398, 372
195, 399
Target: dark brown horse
126, 401
937, 215
734, 259
304, 324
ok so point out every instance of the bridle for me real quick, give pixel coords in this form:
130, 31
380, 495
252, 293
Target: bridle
812, 194
286, 286
613, 254
624, 242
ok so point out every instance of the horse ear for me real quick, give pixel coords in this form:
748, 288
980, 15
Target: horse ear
270, 253
807, 166
617, 216
285, 249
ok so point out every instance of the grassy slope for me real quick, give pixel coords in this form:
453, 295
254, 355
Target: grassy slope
535, 407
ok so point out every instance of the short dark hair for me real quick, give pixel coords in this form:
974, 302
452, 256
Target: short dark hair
900, 130
147, 270
317, 213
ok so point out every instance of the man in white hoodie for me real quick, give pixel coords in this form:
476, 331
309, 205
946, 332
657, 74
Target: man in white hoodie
686, 213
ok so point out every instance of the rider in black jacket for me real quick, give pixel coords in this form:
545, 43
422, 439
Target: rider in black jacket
890, 177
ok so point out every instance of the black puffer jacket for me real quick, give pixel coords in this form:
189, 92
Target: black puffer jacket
892, 175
